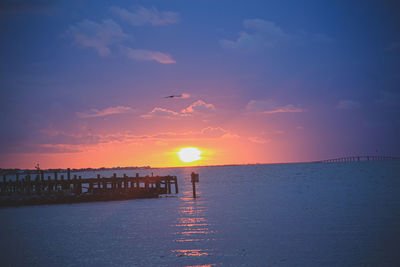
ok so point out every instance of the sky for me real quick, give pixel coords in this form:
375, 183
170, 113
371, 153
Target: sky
83, 83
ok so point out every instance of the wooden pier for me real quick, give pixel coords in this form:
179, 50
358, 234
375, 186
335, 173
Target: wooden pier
36, 189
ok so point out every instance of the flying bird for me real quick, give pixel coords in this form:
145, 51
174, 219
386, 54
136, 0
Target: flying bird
172, 96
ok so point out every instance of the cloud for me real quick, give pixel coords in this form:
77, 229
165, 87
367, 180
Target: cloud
162, 112
98, 36
50, 140
185, 95
213, 131
45, 149
270, 107
92, 113
199, 107
63, 138
230, 136
205, 133
258, 140
347, 105
142, 16
261, 33
218, 132
147, 55
284, 109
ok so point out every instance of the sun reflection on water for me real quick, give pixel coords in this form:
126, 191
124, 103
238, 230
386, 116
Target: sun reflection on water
192, 229
191, 252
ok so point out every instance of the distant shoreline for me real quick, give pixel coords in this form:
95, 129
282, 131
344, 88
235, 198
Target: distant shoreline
61, 170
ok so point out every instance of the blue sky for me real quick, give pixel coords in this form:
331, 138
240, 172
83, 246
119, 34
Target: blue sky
285, 81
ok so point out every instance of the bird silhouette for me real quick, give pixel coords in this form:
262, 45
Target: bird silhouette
172, 96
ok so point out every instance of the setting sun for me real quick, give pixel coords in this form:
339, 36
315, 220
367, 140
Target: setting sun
189, 154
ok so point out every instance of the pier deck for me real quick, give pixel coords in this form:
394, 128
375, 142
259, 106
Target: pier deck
35, 189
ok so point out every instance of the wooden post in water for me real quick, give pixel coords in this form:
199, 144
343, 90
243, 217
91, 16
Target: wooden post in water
49, 185
3, 187
137, 185
195, 179
158, 185
176, 185
80, 185
104, 184
146, 182
37, 180
28, 183
74, 184
125, 182
62, 182
114, 181
90, 190
17, 186
55, 181
42, 182
168, 181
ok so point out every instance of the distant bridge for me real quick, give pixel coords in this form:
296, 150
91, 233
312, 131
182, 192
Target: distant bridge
359, 158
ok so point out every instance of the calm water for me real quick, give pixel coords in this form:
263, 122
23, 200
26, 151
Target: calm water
336, 214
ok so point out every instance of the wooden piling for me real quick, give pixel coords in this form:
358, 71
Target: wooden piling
168, 186
114, 182
194, 189
146, 183
176, 185
49, 184
125, 182
194, 180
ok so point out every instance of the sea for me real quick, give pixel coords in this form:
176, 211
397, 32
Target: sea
300, 214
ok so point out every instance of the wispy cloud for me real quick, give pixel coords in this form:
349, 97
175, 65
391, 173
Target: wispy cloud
92, 113
347, 105
217, 132
213, 131
142, 16
205, 133
98, 36
185, 95
271, 107
162, 112
64, 138
261, 33
197, 108
147, 55
258, 140
284, 109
